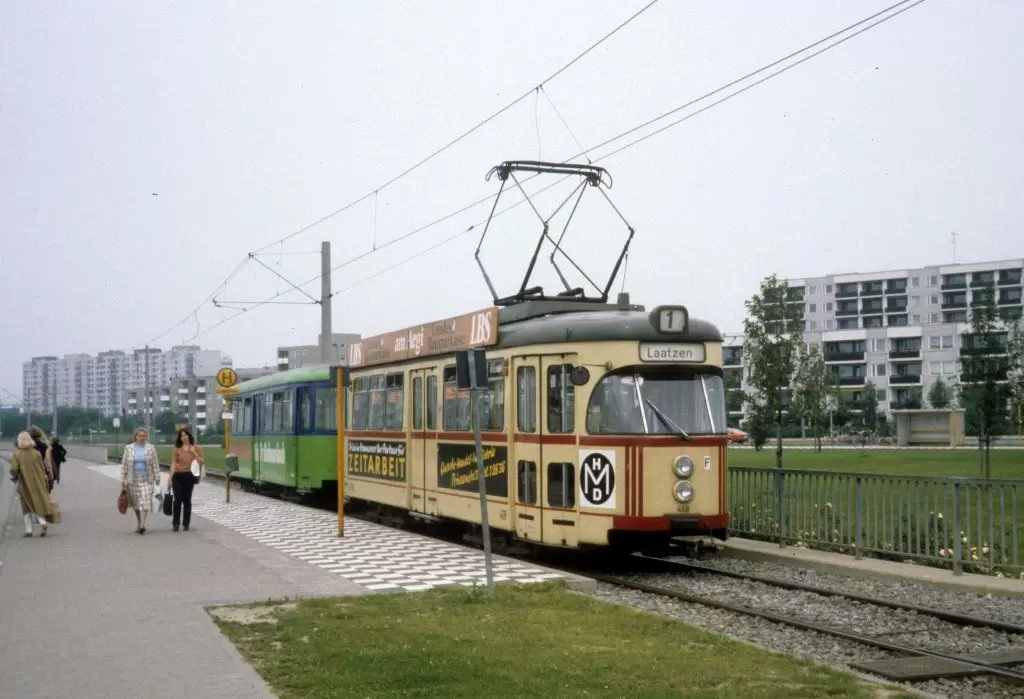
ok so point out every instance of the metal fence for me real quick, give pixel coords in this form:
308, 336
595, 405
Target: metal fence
966, 524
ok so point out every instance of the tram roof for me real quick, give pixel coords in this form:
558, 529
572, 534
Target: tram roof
306, 374
597, 326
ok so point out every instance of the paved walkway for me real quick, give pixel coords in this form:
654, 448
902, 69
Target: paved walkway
95, 610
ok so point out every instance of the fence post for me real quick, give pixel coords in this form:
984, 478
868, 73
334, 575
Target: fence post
780, 490
858, 535
958, 545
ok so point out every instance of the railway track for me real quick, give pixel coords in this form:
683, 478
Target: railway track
914, 664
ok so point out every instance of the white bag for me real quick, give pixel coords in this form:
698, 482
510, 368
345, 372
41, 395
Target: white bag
158, 499
196, 469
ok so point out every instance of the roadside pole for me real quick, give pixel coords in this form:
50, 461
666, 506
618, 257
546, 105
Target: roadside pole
471, 373
341, 385
227, 378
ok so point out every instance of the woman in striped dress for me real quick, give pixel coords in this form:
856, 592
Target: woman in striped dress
140, 473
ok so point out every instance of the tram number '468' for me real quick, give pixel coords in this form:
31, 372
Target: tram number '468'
682, 509
597, 479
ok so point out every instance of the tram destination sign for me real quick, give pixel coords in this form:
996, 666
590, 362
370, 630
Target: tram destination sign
477, 329
672, 352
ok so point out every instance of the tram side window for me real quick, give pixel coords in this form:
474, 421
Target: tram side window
562, 485
325, 408
304, 409
361, 404
282, 412
394, 410
431, 402
526, 387
267, 416
417, 403
527, 484
493, 399
456, 414
561, 400
376, 419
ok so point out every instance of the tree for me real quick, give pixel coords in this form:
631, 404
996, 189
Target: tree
1015, 373
939, 394
773, 331
167, 421
870, 407
984, 365
813, 384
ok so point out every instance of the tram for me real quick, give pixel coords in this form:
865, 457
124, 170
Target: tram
603, 425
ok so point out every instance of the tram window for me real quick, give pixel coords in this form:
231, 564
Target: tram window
282, 412
493, 400
267, 416
562, 485
361, 404
304, 410
526, 387
431, 402
376, 418
325, 409
395, 407
527, 485
456, 414
417, 403
561, 400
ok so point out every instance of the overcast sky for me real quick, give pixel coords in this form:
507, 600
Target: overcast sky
146, 148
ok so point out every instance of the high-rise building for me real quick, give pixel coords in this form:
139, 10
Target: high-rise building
85, 381
900, 329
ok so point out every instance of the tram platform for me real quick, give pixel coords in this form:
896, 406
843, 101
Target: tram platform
97, 610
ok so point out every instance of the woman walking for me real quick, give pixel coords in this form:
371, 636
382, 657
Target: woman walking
27, 471
140, 473
42, 445
182, 481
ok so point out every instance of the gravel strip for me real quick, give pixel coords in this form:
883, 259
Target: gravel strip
1008, 609
909, 628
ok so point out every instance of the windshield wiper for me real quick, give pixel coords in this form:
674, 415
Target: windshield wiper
667, 420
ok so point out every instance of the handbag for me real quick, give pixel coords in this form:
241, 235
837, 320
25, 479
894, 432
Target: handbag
167, 504
54, 516
197, 469
122, 501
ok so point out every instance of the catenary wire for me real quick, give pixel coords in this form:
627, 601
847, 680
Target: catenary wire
904, 6
424, 160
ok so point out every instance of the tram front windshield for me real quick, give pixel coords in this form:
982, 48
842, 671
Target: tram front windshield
658, 401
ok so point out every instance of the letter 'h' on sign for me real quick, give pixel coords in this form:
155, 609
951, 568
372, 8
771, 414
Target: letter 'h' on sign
471, 373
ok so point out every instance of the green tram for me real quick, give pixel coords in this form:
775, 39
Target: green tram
284, 431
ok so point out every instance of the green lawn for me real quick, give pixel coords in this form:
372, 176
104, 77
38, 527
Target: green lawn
529, 641
947, 463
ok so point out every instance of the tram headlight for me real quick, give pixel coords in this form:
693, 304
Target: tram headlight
683, 466
683, 491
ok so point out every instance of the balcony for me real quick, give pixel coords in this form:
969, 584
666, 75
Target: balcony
840, 311
732, 361
953, 303
957, 282
852, 380
1010, 297
904, 379
873, 307
905, 354
871, 289
846, 293
896, 287
1010, 277
896, 305
844, 356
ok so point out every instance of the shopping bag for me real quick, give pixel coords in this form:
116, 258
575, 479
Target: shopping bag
54, 516
122, 502
167, 504
197, 469
158, 498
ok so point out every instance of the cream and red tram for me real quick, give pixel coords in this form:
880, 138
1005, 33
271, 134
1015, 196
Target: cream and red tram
603, 425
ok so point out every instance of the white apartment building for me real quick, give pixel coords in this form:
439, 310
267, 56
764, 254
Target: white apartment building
85, 381
297, 356
900, 329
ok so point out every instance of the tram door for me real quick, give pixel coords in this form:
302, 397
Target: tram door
258, 428
526, 457
559, 468
422, 448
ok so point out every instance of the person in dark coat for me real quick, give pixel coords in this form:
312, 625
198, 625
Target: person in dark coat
42, 445
60, 455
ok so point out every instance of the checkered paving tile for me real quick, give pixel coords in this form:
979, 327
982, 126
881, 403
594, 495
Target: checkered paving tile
377, 557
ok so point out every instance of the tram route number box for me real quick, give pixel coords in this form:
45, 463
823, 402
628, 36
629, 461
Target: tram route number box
471, 372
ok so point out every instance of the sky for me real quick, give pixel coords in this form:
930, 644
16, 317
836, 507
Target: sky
146, 149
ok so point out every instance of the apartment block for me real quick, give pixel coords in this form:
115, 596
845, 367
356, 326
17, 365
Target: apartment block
194, 397
98, 382
900, 329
